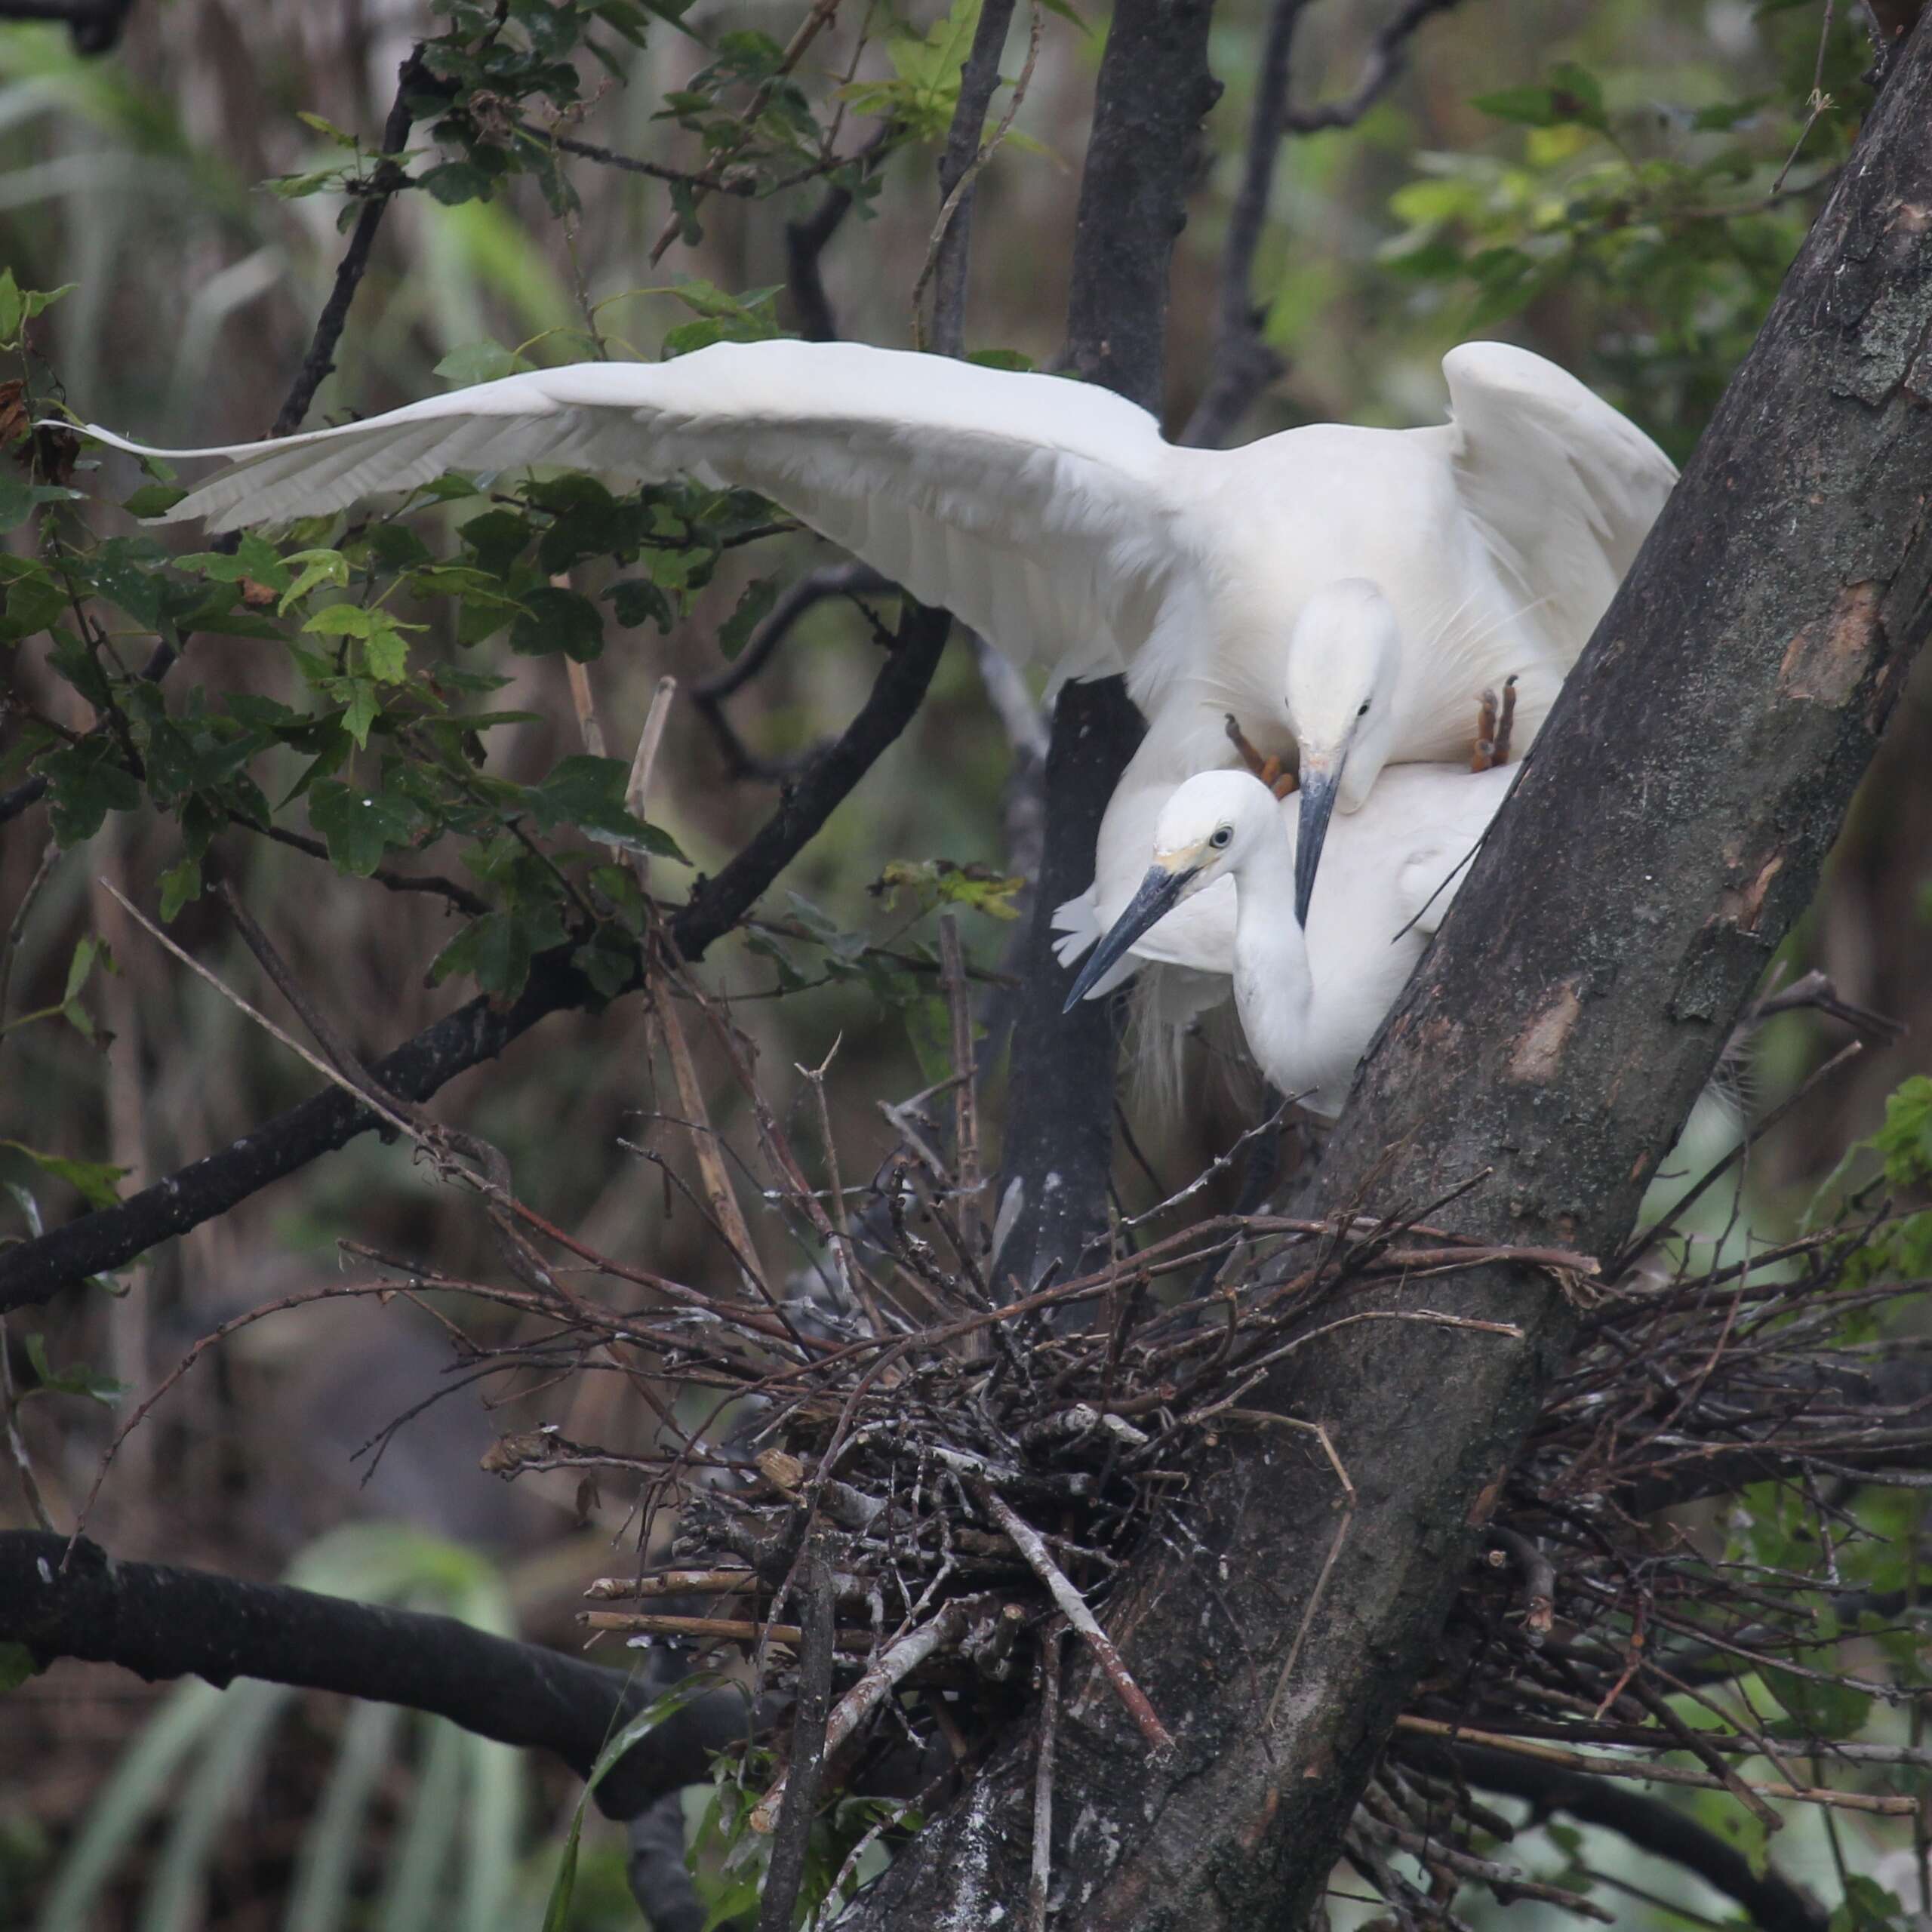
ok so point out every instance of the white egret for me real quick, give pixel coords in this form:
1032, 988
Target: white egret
1223, 873
1348, 591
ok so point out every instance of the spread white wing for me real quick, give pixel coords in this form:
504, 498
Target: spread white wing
1563, 488
1034, 508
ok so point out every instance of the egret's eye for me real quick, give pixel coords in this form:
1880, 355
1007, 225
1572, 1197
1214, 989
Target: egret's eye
1363, 711
1222, 833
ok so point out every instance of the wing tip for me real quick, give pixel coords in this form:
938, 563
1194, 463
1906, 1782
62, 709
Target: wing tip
1503, 365
94, 433
1504, 369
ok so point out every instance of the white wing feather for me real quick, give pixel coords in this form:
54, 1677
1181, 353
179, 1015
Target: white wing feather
1563, 488
1032, 507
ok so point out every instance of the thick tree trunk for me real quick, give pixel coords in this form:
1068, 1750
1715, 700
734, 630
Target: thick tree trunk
1058, 1151
1669, 828
1154, 88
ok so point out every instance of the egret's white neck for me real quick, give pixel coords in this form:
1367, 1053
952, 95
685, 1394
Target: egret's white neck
1274, 982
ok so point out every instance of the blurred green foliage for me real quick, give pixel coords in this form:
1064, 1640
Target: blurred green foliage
1667, 226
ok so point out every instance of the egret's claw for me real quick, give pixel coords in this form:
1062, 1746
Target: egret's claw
1508, 717
1244, 750
1485, 753
1279, 779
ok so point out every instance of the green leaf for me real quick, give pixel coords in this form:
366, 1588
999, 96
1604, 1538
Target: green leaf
86, 953
86, 782
385, 651
635, 599
497, 538
435, 580
496, 950
17, 1666
363, 708
1867, 1907
96, 1183
739, 1899
1818, 1709
928, 70
555, 619
481, 362
308, 568
254, 557
126, 571
447, 489
1577, 95
311, 181
179, 885
153, 500
756, 601
19, 306
18, 500
1529, 107
1904, 1142
722, 317
608, 961
358, 826
36, 600
588, 793
1574, 95
78, 1381
23, 1199
588, 522
557, 1912
395, 546
455, 182
341, 620
328, 128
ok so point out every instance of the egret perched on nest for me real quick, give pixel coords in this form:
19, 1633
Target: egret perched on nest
1052, 518
1224, 849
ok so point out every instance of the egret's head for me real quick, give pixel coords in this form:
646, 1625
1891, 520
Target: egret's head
1344, 654
1203, 831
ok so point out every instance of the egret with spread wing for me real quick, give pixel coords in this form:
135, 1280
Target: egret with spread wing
1223, 867
1347, 593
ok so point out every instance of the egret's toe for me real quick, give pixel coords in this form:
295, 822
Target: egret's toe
1508, 718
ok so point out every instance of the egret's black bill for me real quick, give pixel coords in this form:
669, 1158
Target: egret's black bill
1318, 807
1159, 891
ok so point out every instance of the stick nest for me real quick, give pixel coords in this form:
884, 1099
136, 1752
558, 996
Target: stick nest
894, 1485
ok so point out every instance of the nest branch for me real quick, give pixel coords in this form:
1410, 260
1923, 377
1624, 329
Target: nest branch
889, 1485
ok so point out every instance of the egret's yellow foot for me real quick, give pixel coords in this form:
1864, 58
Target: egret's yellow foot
1484, 755
1508, 717
1279, 779
1492, 723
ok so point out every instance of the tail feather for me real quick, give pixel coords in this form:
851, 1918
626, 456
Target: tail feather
1167, 1005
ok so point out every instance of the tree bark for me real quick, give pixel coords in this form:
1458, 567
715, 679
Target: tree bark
1058, 1149
1153, 91
1669, 826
